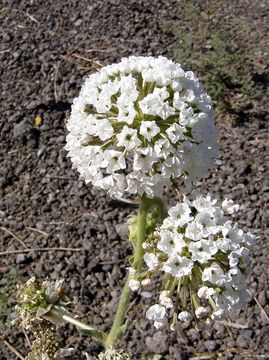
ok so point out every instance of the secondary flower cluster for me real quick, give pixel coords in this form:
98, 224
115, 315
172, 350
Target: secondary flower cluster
35, 299
144, 117
203, 256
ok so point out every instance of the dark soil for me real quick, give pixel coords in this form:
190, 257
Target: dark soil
45, 204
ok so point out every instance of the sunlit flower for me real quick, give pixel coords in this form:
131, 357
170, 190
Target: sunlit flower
139, 124
203, 257
157, 314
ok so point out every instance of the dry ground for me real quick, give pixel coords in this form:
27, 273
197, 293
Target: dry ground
45, 204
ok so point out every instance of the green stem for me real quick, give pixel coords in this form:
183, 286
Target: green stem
61, 314
140, 233
161, 207
175, 314
118, 328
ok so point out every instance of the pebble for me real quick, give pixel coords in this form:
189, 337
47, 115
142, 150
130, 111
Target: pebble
158, 343
23, 258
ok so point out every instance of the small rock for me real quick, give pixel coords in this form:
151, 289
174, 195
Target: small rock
158, 343
261, 297
74, 283
122, 231
20, 129
180, 355
78, 22
211, 345
23, 258
111, 231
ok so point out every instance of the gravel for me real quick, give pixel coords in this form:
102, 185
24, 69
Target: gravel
47, 205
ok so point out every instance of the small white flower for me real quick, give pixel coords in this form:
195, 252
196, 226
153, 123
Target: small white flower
134, 285
165, 300
204, 204
103, 129
163, 148
180, 214
113, 161
178, 266
186, 115
178, 101
194, 231
126, 113
184, 316
171, 242
214, 274
234, 256
144, 159
157, 314
223, 244
175, 133
201, 312
229, 207
128, 87
235, 234
209, 224
155, 104
203, 250
128, 138
151, 260
205, 292
171, 167
131, 270
149, 129
145, 283
218, 314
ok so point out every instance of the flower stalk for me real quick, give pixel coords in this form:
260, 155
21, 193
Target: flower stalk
118, 327
63, 315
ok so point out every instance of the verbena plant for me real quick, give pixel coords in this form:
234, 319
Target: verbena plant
138, 128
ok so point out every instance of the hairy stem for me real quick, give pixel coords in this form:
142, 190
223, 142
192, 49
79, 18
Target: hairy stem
118, 327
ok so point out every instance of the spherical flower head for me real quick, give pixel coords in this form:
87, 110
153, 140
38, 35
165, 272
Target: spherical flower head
139, 124
202, 257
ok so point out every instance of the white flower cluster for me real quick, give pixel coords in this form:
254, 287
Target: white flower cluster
144, 117
203, 256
